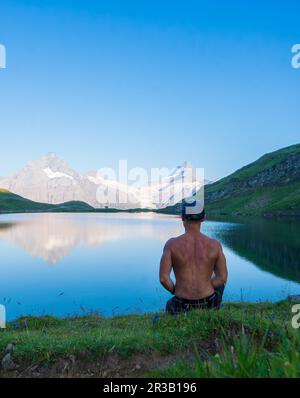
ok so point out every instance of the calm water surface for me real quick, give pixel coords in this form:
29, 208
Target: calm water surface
65, 264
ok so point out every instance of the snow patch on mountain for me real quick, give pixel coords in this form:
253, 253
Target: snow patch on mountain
56, 174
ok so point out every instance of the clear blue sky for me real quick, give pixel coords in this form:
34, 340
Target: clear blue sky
156, 82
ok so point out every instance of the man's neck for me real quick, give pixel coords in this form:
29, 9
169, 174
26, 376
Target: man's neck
193, 229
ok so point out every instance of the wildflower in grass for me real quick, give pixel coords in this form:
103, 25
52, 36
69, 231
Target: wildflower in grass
155, 319
16, 326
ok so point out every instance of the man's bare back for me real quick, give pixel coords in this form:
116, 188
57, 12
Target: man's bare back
198, 262
194, 257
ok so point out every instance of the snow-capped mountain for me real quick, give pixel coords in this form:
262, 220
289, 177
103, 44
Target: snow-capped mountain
47, 180
51, 180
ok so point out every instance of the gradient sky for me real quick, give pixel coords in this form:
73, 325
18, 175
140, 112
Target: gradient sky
156, 82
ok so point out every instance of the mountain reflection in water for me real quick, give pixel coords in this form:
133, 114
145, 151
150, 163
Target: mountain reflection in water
52, 236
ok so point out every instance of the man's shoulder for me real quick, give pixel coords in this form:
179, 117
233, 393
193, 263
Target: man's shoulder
212, 242
173, 241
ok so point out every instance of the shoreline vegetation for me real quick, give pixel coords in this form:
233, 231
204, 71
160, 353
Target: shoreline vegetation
239, 340
11, 203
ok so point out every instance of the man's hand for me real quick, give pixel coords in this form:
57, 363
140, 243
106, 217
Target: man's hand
165, 268
220, 270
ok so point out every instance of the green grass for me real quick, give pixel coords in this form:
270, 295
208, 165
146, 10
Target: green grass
265, 162
244, 357
280, 197
12, 203
253, 340
262, 201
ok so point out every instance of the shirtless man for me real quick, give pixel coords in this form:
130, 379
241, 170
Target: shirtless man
199, 266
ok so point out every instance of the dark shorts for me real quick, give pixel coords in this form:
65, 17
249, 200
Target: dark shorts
177, 305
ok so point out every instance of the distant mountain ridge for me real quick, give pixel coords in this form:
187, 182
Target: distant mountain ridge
268, 187
50, 180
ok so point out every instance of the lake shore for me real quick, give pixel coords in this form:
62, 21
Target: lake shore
240, 340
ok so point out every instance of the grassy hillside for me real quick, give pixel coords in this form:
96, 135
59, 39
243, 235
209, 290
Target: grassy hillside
240, 340
266, 162
266, 201
268, 187
12, 203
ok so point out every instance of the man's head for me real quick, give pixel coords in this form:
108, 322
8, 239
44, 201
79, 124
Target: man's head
192, 213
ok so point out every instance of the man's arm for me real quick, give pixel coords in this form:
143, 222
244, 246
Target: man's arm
220, 271
165, 269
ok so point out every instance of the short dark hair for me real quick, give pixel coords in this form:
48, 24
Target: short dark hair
194, 217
